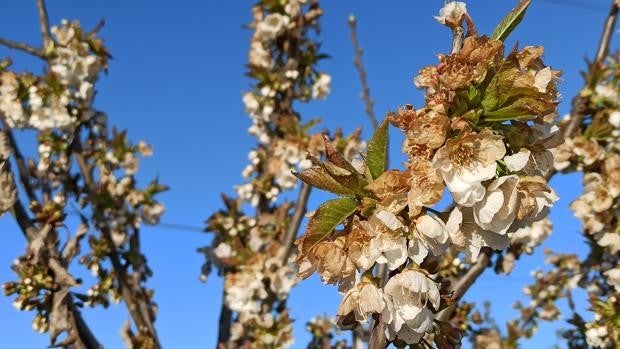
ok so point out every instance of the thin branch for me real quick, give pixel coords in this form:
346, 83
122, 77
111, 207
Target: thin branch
22, 166
134, 297
579, 102
368, 102
301, 206
97, 27
44, 22
225, 320
20, 46
465, 283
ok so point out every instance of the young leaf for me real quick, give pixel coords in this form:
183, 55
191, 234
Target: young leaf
510, 22
326, 218
318, 177
376, 158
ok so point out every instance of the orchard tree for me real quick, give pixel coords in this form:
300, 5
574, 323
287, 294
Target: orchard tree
487, 139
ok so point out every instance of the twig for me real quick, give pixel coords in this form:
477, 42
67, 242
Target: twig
22, 47
301, 206
97, 27
22, 167
465, 282
134, 298
44, 22
577, 115
368, 102
225, 321
579, 102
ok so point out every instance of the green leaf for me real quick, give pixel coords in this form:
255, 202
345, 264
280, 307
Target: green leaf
510, 22
376, 158
326, 218
318, 177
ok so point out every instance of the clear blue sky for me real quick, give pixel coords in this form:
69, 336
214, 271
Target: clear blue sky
176, 81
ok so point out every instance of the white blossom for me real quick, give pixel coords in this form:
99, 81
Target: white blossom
321, 87
272, 26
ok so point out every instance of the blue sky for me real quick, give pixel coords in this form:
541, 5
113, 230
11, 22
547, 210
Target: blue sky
176, 81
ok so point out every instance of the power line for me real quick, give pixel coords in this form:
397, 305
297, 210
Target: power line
178, 226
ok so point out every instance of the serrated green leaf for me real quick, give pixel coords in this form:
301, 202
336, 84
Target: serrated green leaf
376, 157
326, 218
317, 177
510, 22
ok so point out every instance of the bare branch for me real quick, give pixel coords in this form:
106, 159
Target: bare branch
608, 29
20, 46
22, 166
225, 320
579, 103
44, 22
298, 215
368, 102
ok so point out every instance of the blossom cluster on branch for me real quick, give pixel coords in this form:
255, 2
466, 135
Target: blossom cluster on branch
485, 134
81, 167
253, 252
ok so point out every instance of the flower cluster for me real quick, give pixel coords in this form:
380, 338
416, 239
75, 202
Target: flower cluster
486, 135
57, 99
594, 150
282, 59
79, 163
252, 252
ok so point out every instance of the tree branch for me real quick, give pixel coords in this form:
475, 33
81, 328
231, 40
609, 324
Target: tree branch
22, 47
44, 22
368, 102
24, 173
225, 320
298, 215
134, 297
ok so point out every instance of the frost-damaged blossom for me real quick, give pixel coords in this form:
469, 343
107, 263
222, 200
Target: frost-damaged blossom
362, 301
452, 13
594, 150
407, 315
486, 134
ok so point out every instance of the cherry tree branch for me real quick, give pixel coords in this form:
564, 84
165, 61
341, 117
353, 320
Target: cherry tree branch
301, 206
20, 46
22, 166
44, 22
84, 338
368, 102
133, 295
